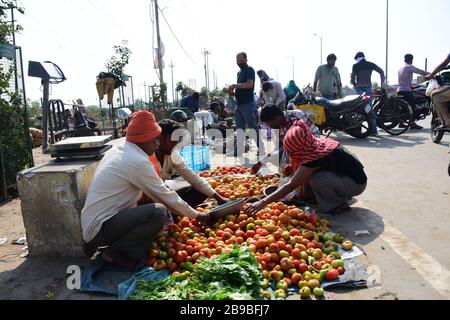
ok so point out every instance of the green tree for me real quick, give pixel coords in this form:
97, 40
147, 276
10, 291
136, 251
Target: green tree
15, 142
117, 63
34, 112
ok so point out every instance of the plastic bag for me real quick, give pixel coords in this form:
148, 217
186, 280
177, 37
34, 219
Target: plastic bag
432, 85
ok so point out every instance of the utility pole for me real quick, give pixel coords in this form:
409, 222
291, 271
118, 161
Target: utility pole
173, 88
426, 64
145, 92
12, 7
158, 37
206, 54
215, 80
387, 40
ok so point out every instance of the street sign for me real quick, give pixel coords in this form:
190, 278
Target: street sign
7, 51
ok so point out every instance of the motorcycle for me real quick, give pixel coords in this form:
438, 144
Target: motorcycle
394, 115
437, 133
350, 114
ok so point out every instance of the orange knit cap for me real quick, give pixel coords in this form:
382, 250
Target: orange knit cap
143, 127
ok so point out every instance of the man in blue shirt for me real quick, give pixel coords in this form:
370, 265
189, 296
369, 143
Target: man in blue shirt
243, 91
191, 102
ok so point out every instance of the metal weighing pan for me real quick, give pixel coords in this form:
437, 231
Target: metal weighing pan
227, 209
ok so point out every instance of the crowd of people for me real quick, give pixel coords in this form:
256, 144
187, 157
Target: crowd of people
327, 174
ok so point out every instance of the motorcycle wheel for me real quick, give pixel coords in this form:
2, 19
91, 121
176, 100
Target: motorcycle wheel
436, 135
395, 117
362, 131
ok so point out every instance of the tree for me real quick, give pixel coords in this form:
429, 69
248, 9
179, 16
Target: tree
15, 142
117, 63
34, 112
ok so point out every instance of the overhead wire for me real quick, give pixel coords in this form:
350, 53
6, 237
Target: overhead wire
178, 41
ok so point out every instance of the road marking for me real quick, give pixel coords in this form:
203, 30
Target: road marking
431, 270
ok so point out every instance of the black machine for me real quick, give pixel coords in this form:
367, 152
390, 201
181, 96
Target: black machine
53, 113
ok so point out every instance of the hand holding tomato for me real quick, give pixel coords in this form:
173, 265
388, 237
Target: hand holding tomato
253, 208
220, 200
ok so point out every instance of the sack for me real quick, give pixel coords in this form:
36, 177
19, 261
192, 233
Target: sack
432, 85
315, 112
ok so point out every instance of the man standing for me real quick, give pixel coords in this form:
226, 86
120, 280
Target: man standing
405, 77
361, 79
274, 94
328, 78
243, 91
191, 102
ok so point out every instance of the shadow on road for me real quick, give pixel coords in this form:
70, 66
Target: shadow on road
42, 278
358, 219
382, 141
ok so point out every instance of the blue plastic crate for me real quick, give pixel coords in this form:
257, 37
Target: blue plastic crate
198, 158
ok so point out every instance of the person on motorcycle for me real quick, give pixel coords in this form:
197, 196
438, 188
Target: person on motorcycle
327, 78
361, 79
334, 174
441, 96
405, 77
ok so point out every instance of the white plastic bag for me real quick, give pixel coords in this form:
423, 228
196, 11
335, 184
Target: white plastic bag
432, 85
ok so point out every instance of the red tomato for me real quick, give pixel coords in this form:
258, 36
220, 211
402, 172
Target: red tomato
332, 275
341, 270
296, 253
181, 256
303, 268
296, 278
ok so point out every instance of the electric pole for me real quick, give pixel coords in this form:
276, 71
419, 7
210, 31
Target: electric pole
206, 54
173, 88
158, 37
387, 40
145, 92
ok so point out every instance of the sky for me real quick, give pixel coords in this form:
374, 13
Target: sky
78, 35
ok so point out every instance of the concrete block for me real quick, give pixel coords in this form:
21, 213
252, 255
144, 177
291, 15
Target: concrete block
52, 197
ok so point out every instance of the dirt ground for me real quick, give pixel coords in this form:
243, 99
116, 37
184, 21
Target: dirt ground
405, 210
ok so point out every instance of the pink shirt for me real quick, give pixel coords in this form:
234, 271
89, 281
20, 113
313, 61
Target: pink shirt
405, 77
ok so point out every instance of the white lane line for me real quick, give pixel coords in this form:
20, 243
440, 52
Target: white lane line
433, 272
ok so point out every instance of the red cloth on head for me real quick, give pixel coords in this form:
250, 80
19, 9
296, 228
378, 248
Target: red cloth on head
303, 147
143, 127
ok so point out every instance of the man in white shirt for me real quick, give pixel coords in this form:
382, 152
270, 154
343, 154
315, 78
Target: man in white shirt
274, 94
169, 161
110, 217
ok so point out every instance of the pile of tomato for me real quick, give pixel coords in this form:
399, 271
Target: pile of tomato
294, 247
225, 171
242, 187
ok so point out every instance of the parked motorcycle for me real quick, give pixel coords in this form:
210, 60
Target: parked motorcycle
349, 114
394, 114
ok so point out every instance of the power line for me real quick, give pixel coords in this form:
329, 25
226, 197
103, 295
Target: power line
176, 38
108, 17
93, 18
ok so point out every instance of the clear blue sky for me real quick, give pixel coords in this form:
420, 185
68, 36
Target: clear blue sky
78, 35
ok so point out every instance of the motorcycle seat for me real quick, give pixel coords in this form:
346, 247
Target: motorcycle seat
340, 104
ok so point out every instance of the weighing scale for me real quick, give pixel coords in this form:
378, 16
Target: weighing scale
81, 147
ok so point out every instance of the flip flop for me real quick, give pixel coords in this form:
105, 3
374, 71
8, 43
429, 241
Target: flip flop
338, 210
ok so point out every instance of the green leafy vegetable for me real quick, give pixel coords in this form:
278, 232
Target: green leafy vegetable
231, 276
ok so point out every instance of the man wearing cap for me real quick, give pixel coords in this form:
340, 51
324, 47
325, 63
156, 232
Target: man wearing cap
110, 217
361, 79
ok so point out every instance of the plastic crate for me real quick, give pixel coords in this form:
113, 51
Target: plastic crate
198, 158
315, 112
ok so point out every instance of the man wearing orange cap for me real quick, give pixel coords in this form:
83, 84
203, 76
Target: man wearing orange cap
110, 216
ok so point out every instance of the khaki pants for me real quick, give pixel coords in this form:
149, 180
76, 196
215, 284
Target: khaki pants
440, 98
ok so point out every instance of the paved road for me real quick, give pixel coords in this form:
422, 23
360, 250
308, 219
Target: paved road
406, 208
